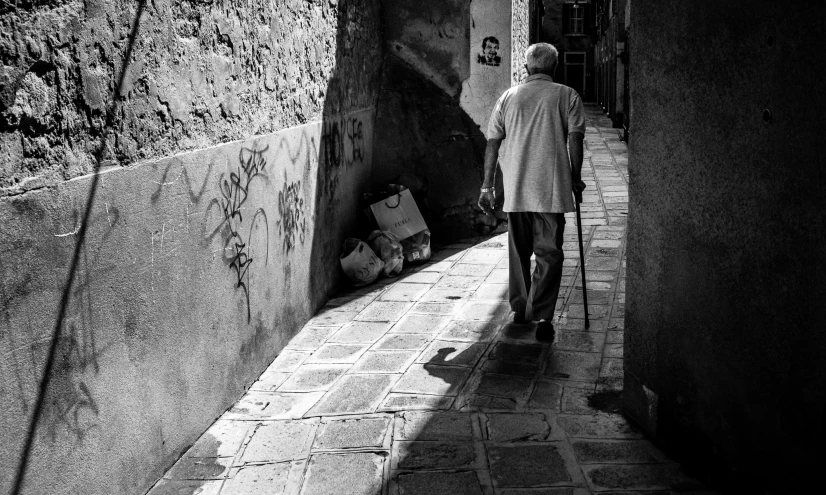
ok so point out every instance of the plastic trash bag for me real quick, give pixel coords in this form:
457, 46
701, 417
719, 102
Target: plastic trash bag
417, 247
389, 249
360, 263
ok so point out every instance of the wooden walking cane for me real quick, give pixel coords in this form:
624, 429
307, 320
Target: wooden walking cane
578, 196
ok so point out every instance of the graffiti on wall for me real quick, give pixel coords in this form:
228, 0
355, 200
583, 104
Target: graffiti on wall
342, 142
234, 194
292, 223
342, 147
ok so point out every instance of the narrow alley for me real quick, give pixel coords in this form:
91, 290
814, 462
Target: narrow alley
422, 385
190, 191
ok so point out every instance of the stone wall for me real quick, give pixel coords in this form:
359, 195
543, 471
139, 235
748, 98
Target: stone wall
163, 285
199, 73
520, 38
724, 339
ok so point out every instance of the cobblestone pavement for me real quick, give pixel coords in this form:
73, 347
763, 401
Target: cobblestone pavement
421, 385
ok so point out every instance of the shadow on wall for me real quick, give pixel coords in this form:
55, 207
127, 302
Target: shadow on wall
424, 136
66, 351
345, 150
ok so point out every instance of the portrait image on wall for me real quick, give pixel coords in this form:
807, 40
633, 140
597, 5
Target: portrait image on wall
490, 52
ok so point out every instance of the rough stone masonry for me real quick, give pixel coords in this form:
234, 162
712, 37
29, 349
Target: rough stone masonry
201, 73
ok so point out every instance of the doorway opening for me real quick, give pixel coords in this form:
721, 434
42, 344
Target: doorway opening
575, 71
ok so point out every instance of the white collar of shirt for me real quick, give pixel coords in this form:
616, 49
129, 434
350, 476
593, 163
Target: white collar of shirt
544, 77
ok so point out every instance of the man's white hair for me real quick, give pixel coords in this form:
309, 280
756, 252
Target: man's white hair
541, 57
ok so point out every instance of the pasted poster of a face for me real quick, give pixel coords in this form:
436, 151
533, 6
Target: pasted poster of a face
490, 52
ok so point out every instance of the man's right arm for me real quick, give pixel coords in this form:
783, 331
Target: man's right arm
576, 152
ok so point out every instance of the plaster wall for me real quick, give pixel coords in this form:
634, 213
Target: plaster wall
231, 162
486, 83
193, 272
724, 338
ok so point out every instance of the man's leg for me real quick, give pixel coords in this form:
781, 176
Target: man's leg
548, 229
520, 246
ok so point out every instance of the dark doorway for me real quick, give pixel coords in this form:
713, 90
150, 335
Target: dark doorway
575, 71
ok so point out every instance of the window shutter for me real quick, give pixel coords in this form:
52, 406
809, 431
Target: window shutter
588, 20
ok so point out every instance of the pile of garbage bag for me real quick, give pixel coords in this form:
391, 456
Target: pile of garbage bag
402, 236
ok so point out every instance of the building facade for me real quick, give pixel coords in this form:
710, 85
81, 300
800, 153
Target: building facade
591, 36
611, 59
569, 26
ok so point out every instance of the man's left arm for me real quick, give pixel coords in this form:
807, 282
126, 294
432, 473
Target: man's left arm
576, 152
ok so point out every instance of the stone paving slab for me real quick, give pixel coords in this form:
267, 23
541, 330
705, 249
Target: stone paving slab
452, 353
435, 308
359, 433
338, 353
639, 477
311, 338
354, 394
263, 405
176, 487
384, 362
263, 479
431, 379
421, 324
222, 439
424, 426
455, 483
437, 455
344, 473
402, 342
524, 370
313, 378
200, 468
360, 332
279, 441
533, 465
446, 295
288, 361
521, 427
415, 402
422, 384
470, 331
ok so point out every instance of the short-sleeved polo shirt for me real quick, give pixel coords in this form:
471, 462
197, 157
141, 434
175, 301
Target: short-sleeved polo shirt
534, 119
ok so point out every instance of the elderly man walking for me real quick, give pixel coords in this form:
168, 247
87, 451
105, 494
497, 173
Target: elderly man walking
540, 125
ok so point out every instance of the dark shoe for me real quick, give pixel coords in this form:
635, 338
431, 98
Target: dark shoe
519, 318
544, 331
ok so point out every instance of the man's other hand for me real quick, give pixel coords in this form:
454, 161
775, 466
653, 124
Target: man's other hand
579, 186
486, 202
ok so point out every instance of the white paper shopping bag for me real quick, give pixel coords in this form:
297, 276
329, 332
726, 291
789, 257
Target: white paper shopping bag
399, 214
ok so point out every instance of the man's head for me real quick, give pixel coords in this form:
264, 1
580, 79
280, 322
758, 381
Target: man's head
541, 58
490, 47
